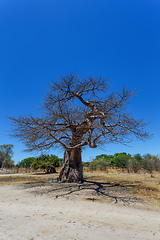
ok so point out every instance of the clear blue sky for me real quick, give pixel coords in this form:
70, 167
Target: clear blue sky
42, 39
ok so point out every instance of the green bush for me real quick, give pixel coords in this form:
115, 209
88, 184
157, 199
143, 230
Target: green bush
94, 165
27, 162
86, 164
46, 162
121, 160
101, 162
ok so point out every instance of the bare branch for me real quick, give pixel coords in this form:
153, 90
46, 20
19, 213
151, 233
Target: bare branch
78, 112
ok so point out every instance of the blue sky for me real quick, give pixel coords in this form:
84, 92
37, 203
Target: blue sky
40, 40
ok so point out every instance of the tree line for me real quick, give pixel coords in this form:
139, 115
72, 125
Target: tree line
126, 161
45, 162
49, 163
135, 163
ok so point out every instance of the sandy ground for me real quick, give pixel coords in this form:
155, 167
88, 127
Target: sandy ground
31, 212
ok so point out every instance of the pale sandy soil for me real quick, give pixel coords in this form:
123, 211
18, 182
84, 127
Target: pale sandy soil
58, 211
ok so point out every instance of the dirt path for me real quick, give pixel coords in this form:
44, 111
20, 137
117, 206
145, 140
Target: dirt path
30, 213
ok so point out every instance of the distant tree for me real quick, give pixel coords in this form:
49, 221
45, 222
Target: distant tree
6, 153
138, 157
60, 161
8, 163
27, 162
135, 163
47, 163
104, 161
2, 158
79, 112
151, 163
94, 165
101, 156
86, 164
121, 160
156, 160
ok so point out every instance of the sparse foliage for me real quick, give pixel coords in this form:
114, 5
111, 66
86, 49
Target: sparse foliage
135, 163
6, 153
151, 163
123, 160
79, 112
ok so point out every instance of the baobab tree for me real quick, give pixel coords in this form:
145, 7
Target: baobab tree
79, 112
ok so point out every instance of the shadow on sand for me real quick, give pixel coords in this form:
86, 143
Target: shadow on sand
88, 190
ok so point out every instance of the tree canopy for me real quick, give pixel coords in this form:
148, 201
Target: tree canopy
79, 112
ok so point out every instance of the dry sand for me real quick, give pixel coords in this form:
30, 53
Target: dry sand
31, 212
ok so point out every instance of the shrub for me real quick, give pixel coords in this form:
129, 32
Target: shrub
101, 162
120, 160
47, 163
27, 162
151, 163
94, 165
133, 165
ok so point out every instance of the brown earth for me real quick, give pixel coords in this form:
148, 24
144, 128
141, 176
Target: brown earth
34, 207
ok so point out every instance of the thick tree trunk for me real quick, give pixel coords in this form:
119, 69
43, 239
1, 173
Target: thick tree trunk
72, 170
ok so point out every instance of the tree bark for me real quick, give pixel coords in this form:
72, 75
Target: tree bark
72, 170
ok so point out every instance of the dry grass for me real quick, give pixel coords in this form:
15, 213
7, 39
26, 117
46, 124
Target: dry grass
141, 186
20, 170
26, 178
